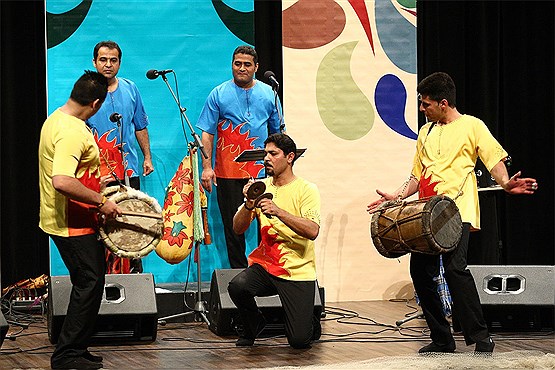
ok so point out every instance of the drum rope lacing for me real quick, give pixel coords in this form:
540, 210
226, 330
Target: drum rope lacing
398, 221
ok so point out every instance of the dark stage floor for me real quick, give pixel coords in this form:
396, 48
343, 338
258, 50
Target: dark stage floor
352, 331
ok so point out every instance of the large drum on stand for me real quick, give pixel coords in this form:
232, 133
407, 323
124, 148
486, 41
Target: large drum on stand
429, 225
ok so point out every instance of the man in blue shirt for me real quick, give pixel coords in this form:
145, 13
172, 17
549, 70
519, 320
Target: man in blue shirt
117, 140
240, 113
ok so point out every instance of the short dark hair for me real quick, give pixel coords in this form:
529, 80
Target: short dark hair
245, 49
109, 44
89, 87
283, 142
438, 86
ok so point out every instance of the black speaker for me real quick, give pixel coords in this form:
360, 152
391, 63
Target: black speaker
224, 316
127, 312
516, 298
3, 328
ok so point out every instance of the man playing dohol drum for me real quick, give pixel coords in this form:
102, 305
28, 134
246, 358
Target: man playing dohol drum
447, 149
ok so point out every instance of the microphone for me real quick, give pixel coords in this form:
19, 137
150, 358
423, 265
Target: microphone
272, 78
152, 74
114, 117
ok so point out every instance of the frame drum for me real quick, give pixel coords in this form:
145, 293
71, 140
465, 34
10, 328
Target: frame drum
132, 235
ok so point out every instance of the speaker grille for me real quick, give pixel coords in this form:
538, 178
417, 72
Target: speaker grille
516, 298
516, 285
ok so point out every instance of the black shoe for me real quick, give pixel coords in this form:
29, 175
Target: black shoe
485, 346
247, 341
244, 342
89, 356
77, 363
432, 347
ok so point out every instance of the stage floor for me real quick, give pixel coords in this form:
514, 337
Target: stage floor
351, 331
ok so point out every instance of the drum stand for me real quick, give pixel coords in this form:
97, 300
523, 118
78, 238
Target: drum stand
200, 310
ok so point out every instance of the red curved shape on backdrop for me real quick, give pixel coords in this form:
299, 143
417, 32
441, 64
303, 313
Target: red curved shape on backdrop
309, 24
359, 7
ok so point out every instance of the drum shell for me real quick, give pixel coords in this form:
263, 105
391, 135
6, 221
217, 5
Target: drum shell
429, 225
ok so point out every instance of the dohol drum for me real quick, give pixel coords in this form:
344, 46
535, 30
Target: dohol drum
429, 225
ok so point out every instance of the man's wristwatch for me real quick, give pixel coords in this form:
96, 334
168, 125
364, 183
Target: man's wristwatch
102, 202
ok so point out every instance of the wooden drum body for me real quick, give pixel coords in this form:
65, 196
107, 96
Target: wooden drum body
429, 225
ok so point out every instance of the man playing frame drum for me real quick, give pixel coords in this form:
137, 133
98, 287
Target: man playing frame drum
446, 152
70, 199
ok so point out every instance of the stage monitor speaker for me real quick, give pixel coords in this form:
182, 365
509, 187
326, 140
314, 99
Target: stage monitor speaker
3, 328
515, 297
224, 317
127, 311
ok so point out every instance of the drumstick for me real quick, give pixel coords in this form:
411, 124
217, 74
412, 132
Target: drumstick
141, 214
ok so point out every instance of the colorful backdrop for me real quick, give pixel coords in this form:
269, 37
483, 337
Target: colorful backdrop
349, 98
194, 38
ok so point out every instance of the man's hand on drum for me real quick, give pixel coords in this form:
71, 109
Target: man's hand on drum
207, 178
110, 209
372, 207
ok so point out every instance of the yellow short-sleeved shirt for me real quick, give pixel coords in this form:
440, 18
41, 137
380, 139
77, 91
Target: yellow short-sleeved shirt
445, 159
67, 147
282, 252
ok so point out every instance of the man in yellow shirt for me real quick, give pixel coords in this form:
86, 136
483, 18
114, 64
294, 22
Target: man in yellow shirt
284, 261
70, 199
447, 149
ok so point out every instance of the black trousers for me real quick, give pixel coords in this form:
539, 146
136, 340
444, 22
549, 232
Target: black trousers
466, 302
297, 300
134, 182
230, 197
84, 258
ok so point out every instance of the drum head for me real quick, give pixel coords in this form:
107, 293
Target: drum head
444, 222
132, 236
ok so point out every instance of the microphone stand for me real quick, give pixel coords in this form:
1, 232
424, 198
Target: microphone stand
125, 175
280, 114
196, 138
199, 310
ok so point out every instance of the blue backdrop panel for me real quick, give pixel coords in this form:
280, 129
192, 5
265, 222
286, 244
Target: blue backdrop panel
186, 36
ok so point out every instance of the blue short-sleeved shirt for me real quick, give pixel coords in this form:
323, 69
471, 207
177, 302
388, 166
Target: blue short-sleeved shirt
125, 100
241, 119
